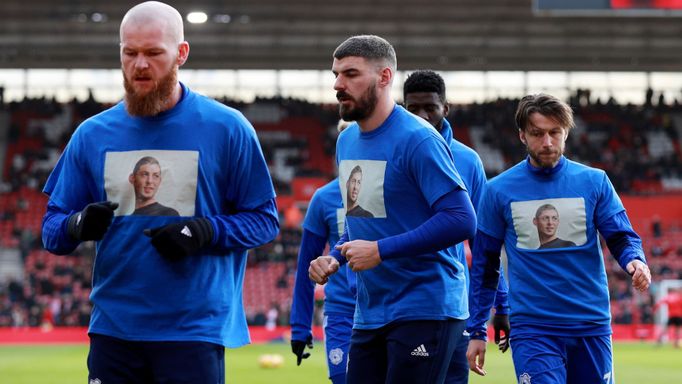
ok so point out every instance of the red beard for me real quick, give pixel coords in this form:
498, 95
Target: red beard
153, 102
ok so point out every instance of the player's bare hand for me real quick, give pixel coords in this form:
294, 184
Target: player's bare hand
476, 356
641, 275
321, 268
361, 254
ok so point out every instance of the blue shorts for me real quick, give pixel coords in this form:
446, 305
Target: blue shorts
458, 371
563, 359
116, 361
409, 352
337, 331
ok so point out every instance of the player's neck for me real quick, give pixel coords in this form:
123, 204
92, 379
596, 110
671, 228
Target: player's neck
175, 97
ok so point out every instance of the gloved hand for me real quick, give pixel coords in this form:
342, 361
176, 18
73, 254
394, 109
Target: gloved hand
178, 240
92, 222
501, 324
298, 348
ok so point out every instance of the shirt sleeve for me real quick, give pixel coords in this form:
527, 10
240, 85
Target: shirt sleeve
302, 305
502, 296
335, 253
625, 245
252, 219
453, 222
54, 234
485, 279
246, 229
614, 225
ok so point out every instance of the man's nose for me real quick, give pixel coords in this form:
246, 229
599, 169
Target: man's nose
338, 84
141, 61
547, 140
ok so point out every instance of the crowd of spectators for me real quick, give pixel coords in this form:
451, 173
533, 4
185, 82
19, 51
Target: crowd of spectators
54, 290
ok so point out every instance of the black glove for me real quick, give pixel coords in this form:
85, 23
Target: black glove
92, 222
178, 240
501, 324
298, 348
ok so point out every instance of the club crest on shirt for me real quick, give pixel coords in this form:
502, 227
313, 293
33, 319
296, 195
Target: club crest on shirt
524, 378
336, 356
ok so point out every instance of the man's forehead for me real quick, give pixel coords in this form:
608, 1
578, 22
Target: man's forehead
348, 63
149, 165
537, 120
422, 98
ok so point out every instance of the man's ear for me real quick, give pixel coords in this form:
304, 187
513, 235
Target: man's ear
522, 136
183, 53
385, 77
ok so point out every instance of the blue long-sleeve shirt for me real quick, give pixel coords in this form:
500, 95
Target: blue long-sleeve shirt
557, 291
210, 165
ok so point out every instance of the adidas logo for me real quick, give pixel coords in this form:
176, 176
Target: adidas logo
185, 231
420, 351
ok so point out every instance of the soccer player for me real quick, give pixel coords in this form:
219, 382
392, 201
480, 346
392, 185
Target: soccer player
673, 300
165, 307
560, 317
424, 95
323, 224
411, 291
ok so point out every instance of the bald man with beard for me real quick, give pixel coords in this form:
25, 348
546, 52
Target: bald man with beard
167, 290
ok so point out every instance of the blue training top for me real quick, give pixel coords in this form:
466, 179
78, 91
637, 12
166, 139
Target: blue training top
211, 166
323, 222
470, 168
402, 168
558, 291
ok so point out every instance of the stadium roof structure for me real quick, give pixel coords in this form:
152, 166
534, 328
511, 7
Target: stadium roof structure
301, 34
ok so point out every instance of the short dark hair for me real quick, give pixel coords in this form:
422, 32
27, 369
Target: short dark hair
424, 80
143, 161
355, 170
370, 47
546, 105
545, 207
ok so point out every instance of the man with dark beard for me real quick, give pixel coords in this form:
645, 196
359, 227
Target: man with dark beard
166, 307
560, 317
411, 295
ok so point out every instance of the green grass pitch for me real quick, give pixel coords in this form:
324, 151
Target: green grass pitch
635, 363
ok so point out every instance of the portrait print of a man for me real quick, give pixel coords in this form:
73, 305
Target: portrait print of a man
353, 186
547, 221
146, 180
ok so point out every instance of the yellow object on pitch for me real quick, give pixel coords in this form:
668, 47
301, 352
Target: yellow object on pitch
271, 360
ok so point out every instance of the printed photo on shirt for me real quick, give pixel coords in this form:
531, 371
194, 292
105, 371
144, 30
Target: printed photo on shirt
550, 223
152, 182
362, 188
340, 220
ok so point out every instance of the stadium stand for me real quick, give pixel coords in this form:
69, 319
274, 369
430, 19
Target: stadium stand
639, 146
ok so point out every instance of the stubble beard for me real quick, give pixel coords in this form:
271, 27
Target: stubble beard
544, 163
